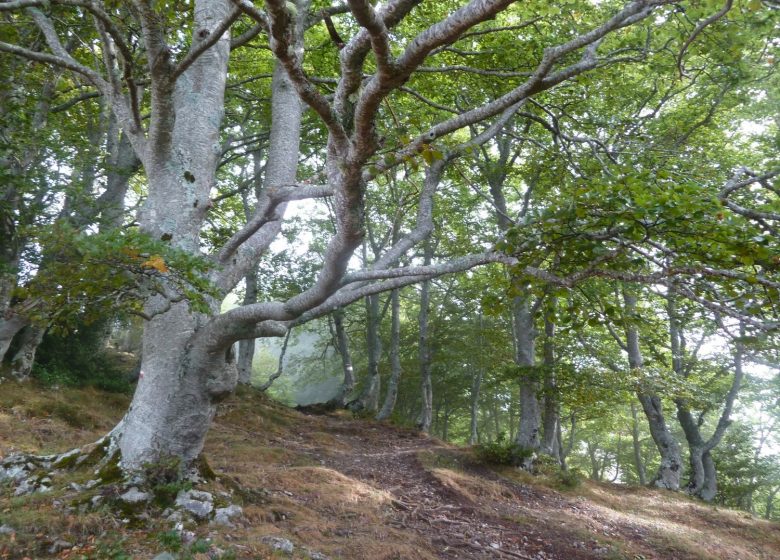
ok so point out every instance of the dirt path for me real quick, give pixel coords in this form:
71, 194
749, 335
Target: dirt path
456, 525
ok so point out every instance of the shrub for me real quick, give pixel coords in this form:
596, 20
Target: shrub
501, 452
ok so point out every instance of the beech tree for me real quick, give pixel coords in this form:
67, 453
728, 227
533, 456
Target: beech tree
164, 72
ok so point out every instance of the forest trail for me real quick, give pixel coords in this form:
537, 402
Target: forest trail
343, 488
438, 497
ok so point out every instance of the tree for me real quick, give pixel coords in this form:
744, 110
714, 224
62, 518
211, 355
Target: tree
188, 360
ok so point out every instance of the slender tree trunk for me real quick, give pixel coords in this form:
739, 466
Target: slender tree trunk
426, 386
638, 462
670, 468
476, 385
395, 356
528, 432
702, 480
342, 342
246, 348
369, 397
551, 419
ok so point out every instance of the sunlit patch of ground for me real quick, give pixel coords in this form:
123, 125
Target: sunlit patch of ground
355, 489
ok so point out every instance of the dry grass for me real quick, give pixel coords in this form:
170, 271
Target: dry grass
319, 499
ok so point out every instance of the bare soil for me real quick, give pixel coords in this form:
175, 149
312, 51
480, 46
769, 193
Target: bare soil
356, 489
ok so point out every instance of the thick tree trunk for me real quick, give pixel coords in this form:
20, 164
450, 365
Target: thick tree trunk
9, 328
426, 386
395, 356
186, 368
182, 378
670, 468
24, 358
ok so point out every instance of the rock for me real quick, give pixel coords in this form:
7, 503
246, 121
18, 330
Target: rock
96, 500
26, 486
174, 516
200, 510
164, 556
199, 504
75, 486
59, 545
316, 555
7, 530
134, 496
199, 495
14, 472
226, 515
187, 537
280, 544
91, 484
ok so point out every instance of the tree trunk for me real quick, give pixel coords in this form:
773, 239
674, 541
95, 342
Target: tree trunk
24, 358
528, 432
342, 344
395, 357
186, 366
426, 386
246, 348
670, 468
550, 444
369, 397
476, 385
703, 475
638, 462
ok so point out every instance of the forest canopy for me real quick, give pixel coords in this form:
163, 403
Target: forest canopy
550, 229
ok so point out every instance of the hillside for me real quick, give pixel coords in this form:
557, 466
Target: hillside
344, 488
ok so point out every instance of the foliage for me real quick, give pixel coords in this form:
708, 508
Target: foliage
90, 275
80, 359
502, 452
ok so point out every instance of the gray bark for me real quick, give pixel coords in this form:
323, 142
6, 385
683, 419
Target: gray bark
637, 446
551, 419
342, 343
24, 358
185, 369
670, 468
395, 357
426, 387
702, 481
369, 397
246, 348
476, 386
529, 429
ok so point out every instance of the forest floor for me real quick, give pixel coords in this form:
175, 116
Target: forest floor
343, 488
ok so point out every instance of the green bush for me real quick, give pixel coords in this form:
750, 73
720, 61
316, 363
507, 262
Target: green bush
569, 479
501, 452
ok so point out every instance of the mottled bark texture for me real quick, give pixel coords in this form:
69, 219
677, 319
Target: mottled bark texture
702, 478
342, 345
425, 416
551, 445
670, 467
188, 362
395, 357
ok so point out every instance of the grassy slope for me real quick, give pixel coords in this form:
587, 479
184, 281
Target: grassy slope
355, 489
